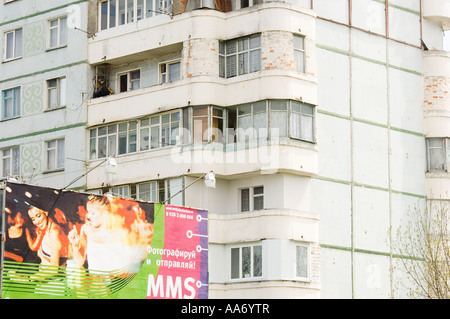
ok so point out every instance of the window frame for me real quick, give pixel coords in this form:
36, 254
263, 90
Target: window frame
300, 51
164, 76
61, 32
130, 80
15, 47
240, 249
307, 246
59, 166
251, 198
16, 103
61, 93
160, 188
138, 10
445, 150
224, 56
215, 124
14, 153
302, 114
135, 136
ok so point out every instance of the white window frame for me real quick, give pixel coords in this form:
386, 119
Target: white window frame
302, 115
165, 75
54, 156
224, 55
160, 126
11, 154
16, 103
121, 191
132, 8
135, 133
300, 52
445, 150
237, 4
148, 196
251, 198
308, 261
129, 132
162, 190
61, 33
61, 91
240, 275
15, 46
130, 81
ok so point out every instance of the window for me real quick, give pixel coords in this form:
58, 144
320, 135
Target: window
55, 154
274, 118
160, 130
148, 191
113, 13
129, 137
57, 33
240, 4
252, 198
302, 261
11, 162
438, 150
208, 124
119, 12
246, 262
13, 44
162, 190
169, 71
103, 141
121, 191
10, 103
252, 121
279, 117
302, 121
129, 81
299, 52
240, 56
56, 93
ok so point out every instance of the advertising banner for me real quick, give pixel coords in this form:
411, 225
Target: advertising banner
64, 244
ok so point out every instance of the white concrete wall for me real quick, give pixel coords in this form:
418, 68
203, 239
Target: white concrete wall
370, 140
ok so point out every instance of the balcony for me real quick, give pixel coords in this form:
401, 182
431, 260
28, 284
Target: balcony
285, 155
143, 38
200, 91
438, 11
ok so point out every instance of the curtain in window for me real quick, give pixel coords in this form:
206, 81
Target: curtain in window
174, 71
302, 261
174, 186
436, 154
223, 5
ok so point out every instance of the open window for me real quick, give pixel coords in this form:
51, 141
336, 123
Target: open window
128, 81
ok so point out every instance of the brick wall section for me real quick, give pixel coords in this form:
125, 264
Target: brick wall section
277, 51
315, 265
436, 95
200, 57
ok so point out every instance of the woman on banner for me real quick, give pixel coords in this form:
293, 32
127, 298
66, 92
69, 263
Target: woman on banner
103, 242
18, 240
51, 242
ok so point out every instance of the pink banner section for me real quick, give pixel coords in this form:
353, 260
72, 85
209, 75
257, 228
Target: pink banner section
183, 263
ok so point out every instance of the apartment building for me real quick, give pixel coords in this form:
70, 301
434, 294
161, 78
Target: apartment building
323, 121
43, 81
